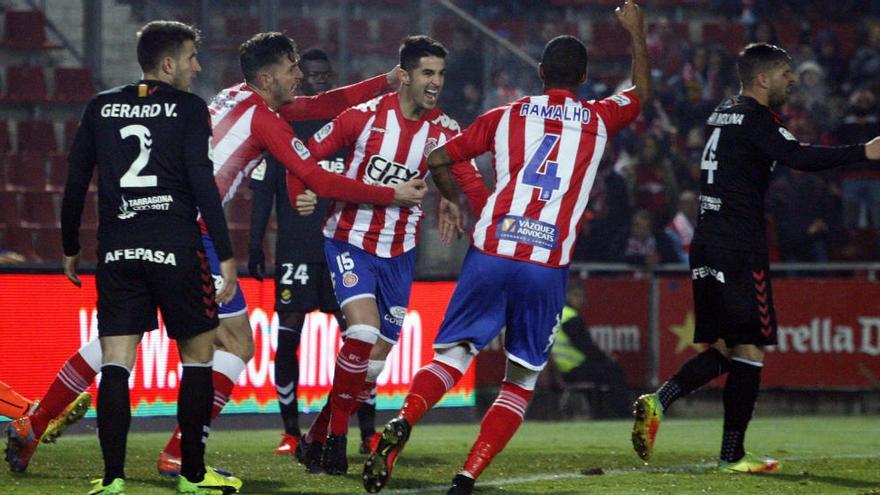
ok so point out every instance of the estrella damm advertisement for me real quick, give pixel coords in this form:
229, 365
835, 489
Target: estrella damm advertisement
45, 319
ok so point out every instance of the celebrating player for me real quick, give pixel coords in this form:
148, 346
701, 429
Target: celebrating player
302, 278
370, 249
733, 300
547, 150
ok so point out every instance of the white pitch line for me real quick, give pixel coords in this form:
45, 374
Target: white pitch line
616, 472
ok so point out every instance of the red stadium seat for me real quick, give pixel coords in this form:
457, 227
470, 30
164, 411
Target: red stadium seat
40, 209
512, 29
73, 85
37, 135
57, 176
359, 40
237, 31
9, 208
25, 84
26, 30
21, 240
70, 128
730, 35
5, 142
609, 41
26, 172
392, 31
48, 245
303, 30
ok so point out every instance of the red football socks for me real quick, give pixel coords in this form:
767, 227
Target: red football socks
223, 386
428, 387
74, 378
348, 380
499, 424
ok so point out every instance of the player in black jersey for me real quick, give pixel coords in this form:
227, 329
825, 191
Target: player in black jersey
151, 143
302, 279
733, 300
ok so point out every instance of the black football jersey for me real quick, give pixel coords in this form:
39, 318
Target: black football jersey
151, 145
744, 142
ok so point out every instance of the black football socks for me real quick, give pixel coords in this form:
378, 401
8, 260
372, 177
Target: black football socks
194, 401
740, 396
696, 372
114, 419
287, 377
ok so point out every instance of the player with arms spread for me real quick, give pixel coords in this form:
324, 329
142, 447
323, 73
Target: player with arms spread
733, 300
370, 249
151, 143
547, 149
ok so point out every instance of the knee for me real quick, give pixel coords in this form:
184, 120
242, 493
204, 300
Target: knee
521, 376
235, 337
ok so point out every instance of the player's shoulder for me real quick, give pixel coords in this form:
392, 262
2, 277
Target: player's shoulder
438, 118
739, 110
373, 105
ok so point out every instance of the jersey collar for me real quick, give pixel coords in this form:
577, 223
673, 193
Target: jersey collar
560, 92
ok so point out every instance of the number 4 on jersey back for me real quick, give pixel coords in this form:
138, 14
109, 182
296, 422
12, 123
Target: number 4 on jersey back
548, 181
708, 161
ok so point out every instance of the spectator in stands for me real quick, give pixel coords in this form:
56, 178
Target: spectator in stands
464, 69
580, 360
860, 181
864, 67
807, 216
811, 97
608, 213
681, 228
641, 245
828, 56
504, 90
763, 32
653, 179
665, 47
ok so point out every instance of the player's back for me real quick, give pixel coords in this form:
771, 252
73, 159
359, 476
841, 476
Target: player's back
735, 175
140, 134
547, 150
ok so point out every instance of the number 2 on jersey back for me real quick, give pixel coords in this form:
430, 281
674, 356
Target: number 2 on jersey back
145, 141
708, 161
547, 182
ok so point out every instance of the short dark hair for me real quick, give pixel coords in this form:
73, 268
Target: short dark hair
564, 61
759, 57
416, 47
314, 54
158, 39
264, 49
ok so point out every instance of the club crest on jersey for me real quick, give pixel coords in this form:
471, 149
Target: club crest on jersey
300, 148
528, 231
286, 295
323, 132
349, 279
384, 172
430, 145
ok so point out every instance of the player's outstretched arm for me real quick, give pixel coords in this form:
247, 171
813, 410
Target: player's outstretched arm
779, 144
331, 103
630, 17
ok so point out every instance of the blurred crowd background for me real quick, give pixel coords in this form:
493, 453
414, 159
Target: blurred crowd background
644, 203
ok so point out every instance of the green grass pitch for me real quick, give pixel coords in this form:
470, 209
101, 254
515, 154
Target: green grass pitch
820, 455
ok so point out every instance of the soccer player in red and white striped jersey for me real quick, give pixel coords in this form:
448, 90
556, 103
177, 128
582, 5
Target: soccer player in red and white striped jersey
546, 150
369, 249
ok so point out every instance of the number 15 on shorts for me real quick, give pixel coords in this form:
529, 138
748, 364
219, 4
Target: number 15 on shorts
344, 262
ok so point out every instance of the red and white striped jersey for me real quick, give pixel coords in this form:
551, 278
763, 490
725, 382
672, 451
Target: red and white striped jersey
546, 150
387, 149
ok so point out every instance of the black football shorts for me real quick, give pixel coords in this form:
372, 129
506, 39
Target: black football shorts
303, 288
132, 282
733, 298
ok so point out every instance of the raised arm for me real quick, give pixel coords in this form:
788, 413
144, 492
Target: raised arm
331, 103
630, 17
